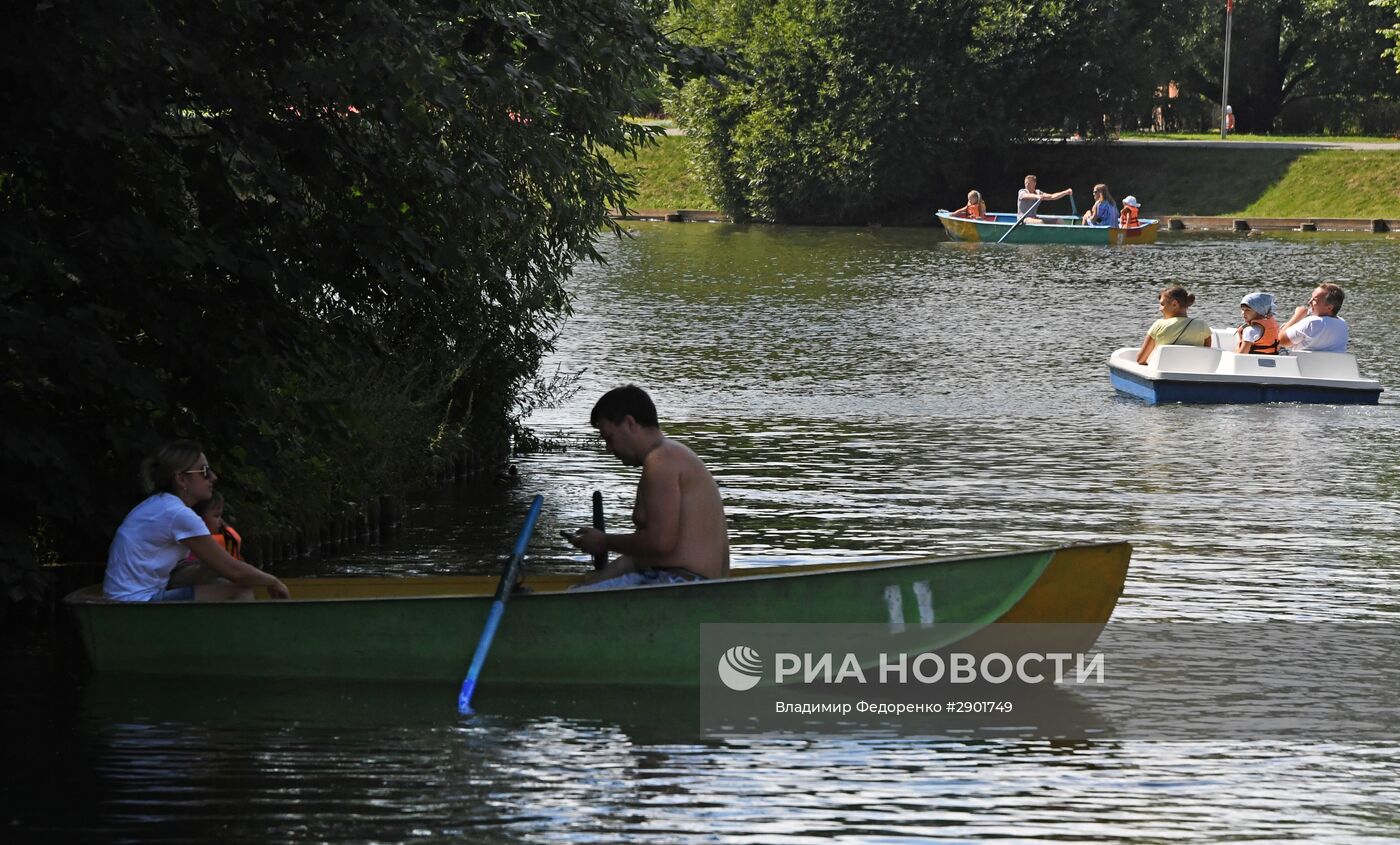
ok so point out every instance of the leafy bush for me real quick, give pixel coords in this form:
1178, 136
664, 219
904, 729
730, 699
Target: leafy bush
328, 239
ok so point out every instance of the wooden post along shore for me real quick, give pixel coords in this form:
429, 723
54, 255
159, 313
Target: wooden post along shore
1283, 224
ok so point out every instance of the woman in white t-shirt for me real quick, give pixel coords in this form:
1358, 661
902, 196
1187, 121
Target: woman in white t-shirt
155, 536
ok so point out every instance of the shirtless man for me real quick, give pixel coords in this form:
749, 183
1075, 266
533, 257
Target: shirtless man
681, 534
1030, 195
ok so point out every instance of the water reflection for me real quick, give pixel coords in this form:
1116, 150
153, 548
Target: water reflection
361, 762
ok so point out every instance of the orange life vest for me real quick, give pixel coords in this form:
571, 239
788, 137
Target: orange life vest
1268, 343
230, 541
1127, 217
975, 212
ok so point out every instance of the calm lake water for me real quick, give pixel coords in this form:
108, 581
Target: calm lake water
859, 394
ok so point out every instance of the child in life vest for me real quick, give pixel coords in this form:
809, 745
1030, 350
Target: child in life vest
1258, 335
211, 510
1128, 214
975, 209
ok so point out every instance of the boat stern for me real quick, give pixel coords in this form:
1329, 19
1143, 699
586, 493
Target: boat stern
1131, 378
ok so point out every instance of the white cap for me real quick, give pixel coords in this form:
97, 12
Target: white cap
1131, 200
1260, 303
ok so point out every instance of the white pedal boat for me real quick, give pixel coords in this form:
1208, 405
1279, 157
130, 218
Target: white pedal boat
1198, 374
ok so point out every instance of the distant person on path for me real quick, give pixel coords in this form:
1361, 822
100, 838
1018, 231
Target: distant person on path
1176, 327
1258, 335
681, 533
1027, 197
1315, 327
975, 209
1128, 214
156, 533
1104, 211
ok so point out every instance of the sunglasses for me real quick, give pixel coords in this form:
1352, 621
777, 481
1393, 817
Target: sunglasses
204, 471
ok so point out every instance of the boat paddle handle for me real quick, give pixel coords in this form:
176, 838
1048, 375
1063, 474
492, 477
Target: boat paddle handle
498, 608
1019, 219
600, 559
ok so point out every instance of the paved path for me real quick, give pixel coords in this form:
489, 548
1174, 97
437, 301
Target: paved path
1257, 145
1214, 142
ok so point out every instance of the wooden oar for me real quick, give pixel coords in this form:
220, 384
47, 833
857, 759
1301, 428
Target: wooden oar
600, 559
1019, 219
498, 608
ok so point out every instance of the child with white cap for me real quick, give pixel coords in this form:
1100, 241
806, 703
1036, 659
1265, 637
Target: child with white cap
1258, 335
1128, 214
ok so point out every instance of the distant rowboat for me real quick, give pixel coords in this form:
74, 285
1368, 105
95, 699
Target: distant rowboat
425, 628
1055, 230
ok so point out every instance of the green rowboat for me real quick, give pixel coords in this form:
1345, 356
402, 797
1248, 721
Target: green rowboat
1055, 230
426, 628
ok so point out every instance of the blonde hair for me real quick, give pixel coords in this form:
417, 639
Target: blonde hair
159, 471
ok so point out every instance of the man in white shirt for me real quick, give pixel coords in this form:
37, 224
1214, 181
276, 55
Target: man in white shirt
1315, 327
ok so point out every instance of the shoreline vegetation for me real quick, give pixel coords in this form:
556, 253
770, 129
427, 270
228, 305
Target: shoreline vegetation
340, 281
1170, 179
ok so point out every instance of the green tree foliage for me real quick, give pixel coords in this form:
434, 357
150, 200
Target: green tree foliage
851, 111
1059, 68
329, 239
1391, 28
1312, 64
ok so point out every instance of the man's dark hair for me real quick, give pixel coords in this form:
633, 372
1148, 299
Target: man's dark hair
624, 401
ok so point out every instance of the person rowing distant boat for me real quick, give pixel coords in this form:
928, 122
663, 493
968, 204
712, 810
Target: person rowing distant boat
1028, 196
681, 533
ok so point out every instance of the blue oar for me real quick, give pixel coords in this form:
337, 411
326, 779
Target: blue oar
1073, 209
1019, 219
498, 607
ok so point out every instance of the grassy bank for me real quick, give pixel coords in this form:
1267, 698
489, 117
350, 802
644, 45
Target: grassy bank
1167, 179
1264, 139
665, 178
1225, 181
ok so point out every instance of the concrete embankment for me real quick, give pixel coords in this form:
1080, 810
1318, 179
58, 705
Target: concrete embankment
1285, 224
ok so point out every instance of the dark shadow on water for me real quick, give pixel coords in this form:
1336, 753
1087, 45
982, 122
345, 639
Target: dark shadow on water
650, 714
